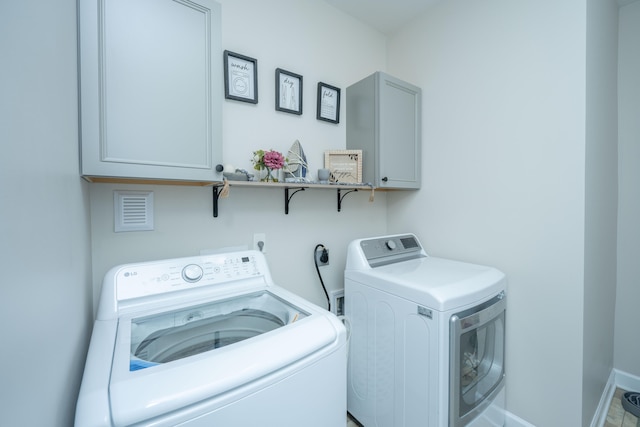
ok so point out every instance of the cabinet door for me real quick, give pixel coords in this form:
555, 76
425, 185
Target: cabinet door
150, 88
399, 133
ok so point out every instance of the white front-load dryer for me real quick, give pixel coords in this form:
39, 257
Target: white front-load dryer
427, 337
211, 341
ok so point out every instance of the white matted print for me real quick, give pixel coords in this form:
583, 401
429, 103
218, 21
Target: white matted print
328, 108
345, 166
288, 92
240, 77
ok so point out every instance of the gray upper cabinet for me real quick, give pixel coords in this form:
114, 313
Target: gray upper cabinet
150, 89
383, 120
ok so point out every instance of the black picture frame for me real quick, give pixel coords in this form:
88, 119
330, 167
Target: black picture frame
288, 92
328, 106
240, 77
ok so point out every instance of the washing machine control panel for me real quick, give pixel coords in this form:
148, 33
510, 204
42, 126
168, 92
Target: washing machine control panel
139, 280
390, 249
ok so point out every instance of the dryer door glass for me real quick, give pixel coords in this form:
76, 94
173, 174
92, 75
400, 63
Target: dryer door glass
477, 359
182, 333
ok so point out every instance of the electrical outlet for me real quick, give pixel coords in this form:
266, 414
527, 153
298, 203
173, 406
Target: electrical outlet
260, 242
322, 256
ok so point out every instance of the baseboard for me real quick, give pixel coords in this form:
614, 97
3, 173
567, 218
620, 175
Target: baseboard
627, 381
600, 416
616, 379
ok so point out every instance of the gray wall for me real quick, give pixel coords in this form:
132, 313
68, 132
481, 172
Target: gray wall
601, 201
45, 289
627, 345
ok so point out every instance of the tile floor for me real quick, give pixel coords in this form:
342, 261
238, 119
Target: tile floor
617, 416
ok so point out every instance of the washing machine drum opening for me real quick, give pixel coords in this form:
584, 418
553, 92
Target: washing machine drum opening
184, 333
204, 335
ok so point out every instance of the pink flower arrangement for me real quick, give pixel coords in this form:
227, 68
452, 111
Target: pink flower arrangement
269, 160
273, 160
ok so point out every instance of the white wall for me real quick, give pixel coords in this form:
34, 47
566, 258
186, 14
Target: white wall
627, 346
504, 175
306, 37
601, 204
45, 290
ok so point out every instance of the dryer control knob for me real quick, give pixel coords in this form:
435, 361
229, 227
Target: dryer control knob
391, 244
192, 273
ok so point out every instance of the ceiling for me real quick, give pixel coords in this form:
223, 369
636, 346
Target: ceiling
385, 15
388, 16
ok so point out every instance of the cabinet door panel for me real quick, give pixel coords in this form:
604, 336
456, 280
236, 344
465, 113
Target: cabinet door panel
398, 127
157, 109
157, 85
383, 120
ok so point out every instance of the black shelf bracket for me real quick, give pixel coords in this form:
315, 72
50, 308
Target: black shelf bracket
342, 197
287, 198
216, 196
222, 191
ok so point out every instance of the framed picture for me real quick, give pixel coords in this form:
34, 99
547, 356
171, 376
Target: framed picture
345, 166
288, 92
328, 103
240, 77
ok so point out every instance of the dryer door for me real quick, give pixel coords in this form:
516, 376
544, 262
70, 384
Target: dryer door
476, 359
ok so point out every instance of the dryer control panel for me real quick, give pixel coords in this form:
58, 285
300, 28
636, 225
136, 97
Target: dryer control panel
391, 249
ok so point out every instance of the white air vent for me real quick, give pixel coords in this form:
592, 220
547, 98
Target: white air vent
133, 210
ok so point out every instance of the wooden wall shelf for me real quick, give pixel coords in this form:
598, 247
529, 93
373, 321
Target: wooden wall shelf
290, 189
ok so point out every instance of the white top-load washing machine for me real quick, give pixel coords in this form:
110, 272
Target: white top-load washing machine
427, 337
211, 340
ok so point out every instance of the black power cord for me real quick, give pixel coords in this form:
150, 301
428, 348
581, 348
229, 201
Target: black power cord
323, 257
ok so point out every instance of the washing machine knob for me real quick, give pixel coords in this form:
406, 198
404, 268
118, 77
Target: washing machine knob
391, 244
192, 273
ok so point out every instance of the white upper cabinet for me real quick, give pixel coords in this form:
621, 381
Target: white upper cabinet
383, 120
150, 89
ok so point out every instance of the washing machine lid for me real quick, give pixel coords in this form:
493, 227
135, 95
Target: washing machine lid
168, 360
437, 283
